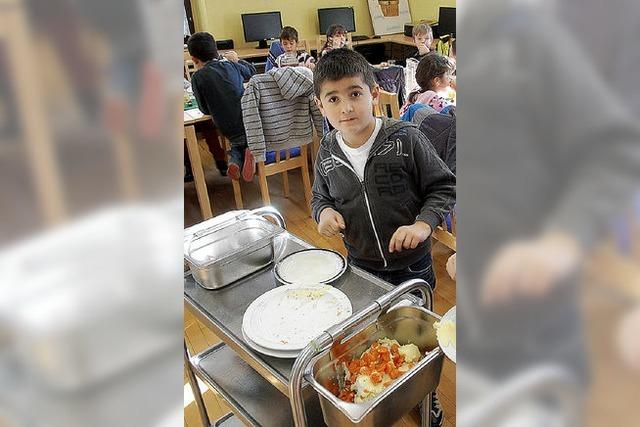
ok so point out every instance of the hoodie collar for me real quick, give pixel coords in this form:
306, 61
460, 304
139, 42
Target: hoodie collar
294, 81
389, 127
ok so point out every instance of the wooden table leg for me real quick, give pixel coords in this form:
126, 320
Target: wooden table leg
198, 172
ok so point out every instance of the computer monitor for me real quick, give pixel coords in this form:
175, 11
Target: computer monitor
447, 21
260, 27
336, 15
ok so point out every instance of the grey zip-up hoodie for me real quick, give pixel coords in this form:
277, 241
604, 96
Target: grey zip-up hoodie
404, 181
279, 111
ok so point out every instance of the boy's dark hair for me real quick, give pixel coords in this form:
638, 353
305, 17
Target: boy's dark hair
431, 65
202, 45
289, 33
335, 29
340, 63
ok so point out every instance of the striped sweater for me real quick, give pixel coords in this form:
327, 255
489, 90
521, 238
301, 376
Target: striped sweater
279, 111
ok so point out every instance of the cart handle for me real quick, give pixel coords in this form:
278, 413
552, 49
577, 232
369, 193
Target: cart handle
340, 330
271, 212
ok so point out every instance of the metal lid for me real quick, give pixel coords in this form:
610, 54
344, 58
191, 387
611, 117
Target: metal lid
223, 241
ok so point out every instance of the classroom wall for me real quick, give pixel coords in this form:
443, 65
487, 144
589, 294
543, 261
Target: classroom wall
222, 17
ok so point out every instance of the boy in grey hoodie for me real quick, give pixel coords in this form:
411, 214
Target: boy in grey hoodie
379, 182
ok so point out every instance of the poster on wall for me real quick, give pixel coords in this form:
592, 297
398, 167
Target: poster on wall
389, 16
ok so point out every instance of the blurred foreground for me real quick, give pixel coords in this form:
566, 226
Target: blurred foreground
91, 207
549, 220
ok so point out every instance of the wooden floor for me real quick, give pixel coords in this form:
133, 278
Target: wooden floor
298, 223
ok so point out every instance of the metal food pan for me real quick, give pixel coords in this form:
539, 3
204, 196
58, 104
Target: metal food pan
406, 325
222, 254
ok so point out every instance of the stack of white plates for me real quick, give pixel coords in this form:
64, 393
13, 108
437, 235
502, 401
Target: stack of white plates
312, 266
284, 320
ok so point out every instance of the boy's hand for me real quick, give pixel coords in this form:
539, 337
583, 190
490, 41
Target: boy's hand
231, 56
310, 63
409, 236
451, 266
530, 268
628, 342
331, 222
423, 49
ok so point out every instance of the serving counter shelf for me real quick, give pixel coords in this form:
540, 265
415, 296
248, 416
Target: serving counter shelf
253, 400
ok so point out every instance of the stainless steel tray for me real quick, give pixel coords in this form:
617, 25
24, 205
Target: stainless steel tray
406, 325
315, 362
232, 249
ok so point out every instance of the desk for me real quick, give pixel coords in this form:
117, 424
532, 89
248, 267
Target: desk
191, 117
248, 52
391, 38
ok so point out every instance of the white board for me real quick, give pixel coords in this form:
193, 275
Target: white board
389, 16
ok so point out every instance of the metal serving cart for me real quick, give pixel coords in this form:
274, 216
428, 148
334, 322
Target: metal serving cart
268, 391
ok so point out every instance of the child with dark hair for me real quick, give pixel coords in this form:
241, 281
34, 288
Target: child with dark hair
336, 38
291, 57
218, 86
378, 181
433, 77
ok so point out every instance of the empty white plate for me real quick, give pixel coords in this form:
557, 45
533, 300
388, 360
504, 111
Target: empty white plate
310, 266
289, 317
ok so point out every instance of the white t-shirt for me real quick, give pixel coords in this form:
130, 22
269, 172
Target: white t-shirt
358, 156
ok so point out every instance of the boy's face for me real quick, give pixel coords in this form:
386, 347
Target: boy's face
422, 39
289, 46
442, 82
348, 104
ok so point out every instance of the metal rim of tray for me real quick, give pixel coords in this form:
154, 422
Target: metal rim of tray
335, 277
272, 233
369, 405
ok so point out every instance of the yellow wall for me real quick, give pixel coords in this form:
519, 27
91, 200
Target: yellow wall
222, 17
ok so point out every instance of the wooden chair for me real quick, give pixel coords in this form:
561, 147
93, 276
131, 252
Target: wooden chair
444, 236
387, 105
303, 45
17, 41
315, 147
282, 166
237, 193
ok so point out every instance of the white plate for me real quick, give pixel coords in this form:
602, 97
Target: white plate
286, 354
449, 350
289, 317
310, 266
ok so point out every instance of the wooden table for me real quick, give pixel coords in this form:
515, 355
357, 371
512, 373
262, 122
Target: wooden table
191, 117
248, 52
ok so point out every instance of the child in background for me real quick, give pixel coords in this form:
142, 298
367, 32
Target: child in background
218, 86
336, 38
452, 58
423, 38
377, 180
291, 57
433, 77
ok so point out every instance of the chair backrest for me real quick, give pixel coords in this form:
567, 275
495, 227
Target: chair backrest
303, 45
387, 105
